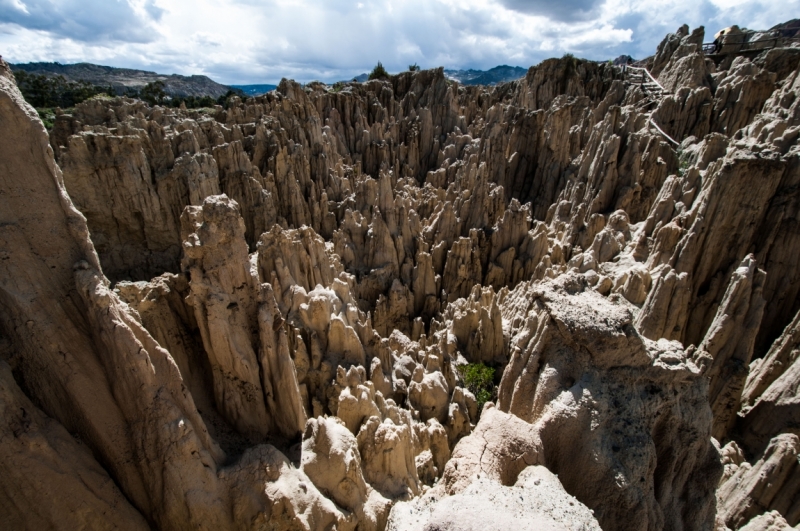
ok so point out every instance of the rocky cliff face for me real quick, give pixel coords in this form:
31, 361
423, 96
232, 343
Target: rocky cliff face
258, 317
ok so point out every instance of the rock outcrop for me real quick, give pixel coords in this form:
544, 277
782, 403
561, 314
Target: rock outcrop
271, 314
536, 501
587, 397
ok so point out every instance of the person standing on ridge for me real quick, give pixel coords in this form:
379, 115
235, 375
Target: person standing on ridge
718, 40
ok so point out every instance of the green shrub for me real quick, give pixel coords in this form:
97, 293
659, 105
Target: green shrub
48, 116
479, 379
194, 102
379, 72
683, 164
413, 68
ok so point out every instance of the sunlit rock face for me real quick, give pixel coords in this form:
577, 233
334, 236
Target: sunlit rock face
272, 314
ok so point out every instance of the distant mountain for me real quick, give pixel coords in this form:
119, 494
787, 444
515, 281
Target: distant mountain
123, 78
255, 90
361, 78
493, 76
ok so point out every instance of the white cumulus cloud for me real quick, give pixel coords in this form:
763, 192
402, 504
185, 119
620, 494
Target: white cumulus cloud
261, 41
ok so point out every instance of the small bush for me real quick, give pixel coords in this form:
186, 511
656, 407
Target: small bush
683, 164
413, 68
479, 379
379, 72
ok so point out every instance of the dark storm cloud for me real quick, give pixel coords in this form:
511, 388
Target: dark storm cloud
561, 10
83, 20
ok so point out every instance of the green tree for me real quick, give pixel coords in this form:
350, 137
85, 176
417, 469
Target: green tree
223, 100
413, 68
153, 93
379, 72
48, 92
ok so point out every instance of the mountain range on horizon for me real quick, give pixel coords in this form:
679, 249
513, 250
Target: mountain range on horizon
491, 77
175, 85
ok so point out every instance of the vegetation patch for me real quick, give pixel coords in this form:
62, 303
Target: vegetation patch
479, 379
379, 72
44, 92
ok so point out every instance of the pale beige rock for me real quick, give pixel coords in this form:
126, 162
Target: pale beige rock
499, 449
477, 324
537, 501
428, 393
771, 483
564, 365
121, 392
44, 320
356, 400
398, 229
687, 65
50, 480
161, 305
662, 311
332, 460
770, 397
771, 521
388, 457
763, 372
223, 298
729, 343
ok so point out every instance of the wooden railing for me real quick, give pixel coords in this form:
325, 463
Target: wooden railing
740, 46
644, 72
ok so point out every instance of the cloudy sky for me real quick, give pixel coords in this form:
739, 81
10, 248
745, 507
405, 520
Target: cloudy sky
261, 41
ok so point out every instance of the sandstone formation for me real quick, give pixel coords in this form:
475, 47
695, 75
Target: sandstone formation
264, 315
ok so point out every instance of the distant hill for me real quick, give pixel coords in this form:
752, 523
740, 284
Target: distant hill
255, 90
125, 78
493, 76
